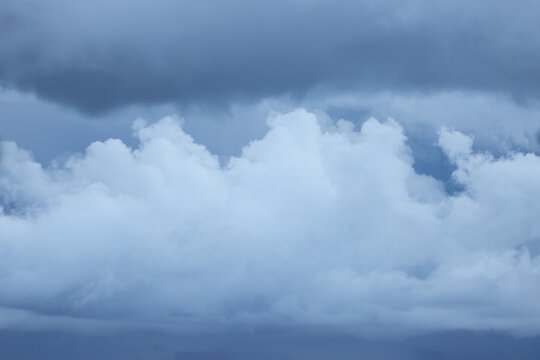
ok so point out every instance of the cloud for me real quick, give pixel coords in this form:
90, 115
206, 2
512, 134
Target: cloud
103, 55
264, 345
497, 123
315, 224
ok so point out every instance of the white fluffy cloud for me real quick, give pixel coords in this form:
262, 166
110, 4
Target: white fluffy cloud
497, 122
313, 225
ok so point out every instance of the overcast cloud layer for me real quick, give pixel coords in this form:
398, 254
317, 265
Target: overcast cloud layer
102, 54
316, 224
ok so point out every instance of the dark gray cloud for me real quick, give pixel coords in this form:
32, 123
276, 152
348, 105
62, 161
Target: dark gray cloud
100, 55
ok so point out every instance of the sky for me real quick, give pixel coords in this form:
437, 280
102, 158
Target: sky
289, 179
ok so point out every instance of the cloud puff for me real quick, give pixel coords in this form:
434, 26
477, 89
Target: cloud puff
106, 54
497, 123
315, 224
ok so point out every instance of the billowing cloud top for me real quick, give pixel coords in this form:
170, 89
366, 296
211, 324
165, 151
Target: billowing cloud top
102, 54
312, 225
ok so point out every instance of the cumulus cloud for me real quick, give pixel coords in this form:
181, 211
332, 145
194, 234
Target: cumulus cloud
101, 55
497, 123
315, 224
